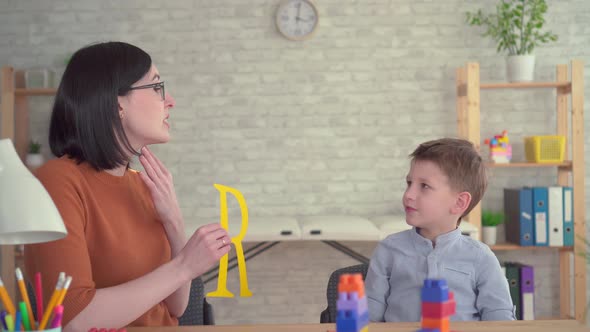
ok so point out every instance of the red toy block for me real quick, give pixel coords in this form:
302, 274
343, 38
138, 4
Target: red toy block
439, 309
443, 325
352, 283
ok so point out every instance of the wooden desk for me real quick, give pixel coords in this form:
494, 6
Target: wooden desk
513, 326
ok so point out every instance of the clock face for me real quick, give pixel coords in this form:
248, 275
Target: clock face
297, 19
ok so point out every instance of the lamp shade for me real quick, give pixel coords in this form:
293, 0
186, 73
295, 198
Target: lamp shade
27, 213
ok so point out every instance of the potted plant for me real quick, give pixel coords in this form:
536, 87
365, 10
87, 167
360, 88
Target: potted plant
517, 29
34, 157
490, 221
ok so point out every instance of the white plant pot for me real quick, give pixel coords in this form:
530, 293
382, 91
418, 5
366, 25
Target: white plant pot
520, 68
34, 160
489, 234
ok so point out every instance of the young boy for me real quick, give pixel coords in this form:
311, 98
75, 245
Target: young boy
447, 179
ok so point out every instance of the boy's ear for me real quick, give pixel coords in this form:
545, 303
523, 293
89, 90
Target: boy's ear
461, 203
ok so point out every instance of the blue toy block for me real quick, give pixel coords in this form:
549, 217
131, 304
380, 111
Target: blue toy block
350, 301
345, 322
350, 314
354, 313
359, 309
435, 290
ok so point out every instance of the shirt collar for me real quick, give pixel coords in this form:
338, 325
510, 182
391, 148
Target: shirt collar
424, 245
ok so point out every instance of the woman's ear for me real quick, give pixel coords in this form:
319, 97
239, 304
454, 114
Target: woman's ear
461, 203
120, 106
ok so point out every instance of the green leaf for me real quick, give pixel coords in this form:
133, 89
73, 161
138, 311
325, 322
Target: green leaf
34, 147
489, 218
515, 26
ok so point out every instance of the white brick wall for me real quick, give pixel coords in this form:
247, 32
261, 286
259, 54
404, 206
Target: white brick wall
305, 128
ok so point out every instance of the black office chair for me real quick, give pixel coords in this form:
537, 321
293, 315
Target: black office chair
198, 311
329, 314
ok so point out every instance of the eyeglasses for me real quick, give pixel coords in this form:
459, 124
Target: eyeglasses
156, 86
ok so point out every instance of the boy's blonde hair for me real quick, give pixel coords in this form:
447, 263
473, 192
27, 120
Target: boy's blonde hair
460, 162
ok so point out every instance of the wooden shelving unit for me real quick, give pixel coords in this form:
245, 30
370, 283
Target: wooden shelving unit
35, 92
512, 246
525, 85
565, 165
469, 88
14, 117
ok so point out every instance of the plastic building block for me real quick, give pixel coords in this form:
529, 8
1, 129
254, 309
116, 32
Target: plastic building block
353, 310
350, 301
359, 318
435, 290
439, 309
438, 305
349, 323
500, 148
352, 283
442, 324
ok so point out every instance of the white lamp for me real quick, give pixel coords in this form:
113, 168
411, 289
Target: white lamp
27, 213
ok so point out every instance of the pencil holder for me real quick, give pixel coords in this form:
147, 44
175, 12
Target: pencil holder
57, 329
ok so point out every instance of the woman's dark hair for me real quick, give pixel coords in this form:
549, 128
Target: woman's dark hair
85, 121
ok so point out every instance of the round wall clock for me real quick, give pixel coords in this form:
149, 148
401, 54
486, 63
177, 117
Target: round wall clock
297, 19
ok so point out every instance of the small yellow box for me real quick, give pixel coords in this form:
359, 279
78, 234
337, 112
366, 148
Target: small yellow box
544, 149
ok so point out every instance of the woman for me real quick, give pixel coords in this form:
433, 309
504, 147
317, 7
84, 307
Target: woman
126, 250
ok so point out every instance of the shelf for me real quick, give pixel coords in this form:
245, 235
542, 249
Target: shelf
569, 94
526, 85
553, 318
512, 246
35, 92
565, 165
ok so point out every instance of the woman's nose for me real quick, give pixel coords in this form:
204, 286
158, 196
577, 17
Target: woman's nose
169, 101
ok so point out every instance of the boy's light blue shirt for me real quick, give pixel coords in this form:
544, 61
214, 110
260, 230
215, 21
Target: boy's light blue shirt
403, 260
